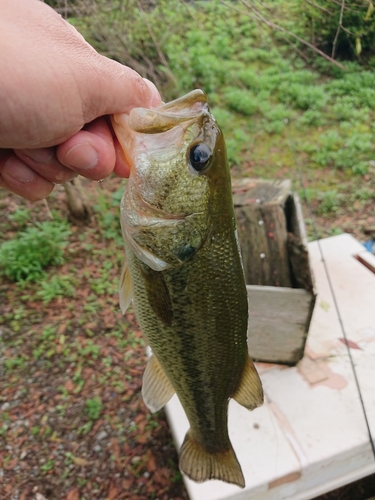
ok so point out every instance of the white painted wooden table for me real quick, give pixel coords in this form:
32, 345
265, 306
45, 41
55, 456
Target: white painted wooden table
310, 435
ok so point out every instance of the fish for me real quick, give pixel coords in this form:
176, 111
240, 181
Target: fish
184, 274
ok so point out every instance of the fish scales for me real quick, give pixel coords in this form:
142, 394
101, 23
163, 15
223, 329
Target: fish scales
183, 270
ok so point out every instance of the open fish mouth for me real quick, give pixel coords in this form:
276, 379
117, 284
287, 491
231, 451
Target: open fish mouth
178, 114
167, 116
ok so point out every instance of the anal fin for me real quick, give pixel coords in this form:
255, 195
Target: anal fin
200, 465
249, 393
156, 387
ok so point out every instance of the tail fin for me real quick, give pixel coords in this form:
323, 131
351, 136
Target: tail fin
200, 465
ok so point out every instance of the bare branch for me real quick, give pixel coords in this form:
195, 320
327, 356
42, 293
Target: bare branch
319, 7
334, 45
259, 17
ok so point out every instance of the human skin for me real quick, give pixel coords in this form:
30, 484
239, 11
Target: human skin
56, 93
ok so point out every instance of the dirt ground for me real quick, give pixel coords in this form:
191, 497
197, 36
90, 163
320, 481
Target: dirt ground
73, 425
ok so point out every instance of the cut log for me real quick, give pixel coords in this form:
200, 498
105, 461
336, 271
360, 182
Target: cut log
280, 285
262, 231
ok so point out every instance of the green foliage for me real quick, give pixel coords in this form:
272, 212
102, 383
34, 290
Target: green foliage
329, 202
26, 256
302, 96
312, 118
108, 220
93, 407
21, 216
322, 19
255, 81
240, 100
344, 149
56, 286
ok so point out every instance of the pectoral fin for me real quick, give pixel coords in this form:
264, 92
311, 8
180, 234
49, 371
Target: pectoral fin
125, 288
156, 387
249, 393
158, 295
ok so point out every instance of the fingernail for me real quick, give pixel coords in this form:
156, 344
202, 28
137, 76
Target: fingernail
42, 155
18, 170
81, 156
155, 99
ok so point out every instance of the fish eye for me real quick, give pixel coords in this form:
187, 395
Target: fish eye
199, 157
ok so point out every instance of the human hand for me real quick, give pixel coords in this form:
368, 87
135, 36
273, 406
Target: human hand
56, 93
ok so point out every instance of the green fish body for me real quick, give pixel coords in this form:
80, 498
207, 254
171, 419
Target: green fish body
184, 273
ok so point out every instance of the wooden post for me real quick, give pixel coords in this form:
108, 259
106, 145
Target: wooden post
262, 231
276, 263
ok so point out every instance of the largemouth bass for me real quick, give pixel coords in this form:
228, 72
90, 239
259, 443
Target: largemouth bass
183, 271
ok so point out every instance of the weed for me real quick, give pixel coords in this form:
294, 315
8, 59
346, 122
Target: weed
56, 286
90, 349
35, 430
303, 96
4, 429
93, 407
17, 362
49, 465
26, 256
21, 217
329, 202
312, 118
242, 101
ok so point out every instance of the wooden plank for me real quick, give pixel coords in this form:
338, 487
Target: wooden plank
278, 323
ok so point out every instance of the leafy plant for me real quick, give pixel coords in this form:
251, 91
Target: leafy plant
21, 216
56, 286
329, 202
242, 101
342, 29
93, 407
26, 256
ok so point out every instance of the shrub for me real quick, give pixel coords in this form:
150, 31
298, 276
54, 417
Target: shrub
322, 20
26, 256
240, 100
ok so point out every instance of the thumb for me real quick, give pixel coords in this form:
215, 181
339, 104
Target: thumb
117, 89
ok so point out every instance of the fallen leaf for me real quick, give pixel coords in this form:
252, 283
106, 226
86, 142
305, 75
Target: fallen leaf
73, 494
161, 476
112, 493
69, 386
81, 462
151, 463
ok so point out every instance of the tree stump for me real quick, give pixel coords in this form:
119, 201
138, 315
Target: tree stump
262, 231
276, 263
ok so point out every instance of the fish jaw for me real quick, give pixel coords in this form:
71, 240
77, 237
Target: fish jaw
180, 112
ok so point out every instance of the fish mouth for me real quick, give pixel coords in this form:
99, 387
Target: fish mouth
182, 112
184, 109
